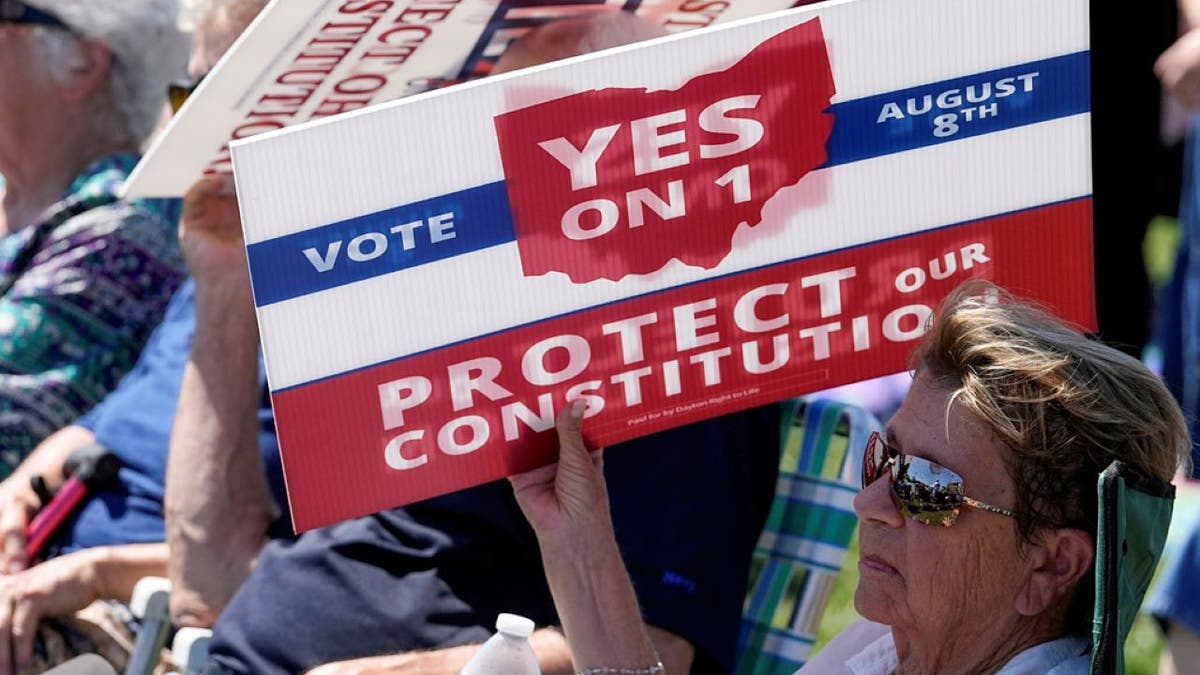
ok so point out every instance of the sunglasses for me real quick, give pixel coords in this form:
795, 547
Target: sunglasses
16, 12
179, 92
922, 490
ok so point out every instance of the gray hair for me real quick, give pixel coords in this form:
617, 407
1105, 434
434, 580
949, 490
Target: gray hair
192, 13
148, 51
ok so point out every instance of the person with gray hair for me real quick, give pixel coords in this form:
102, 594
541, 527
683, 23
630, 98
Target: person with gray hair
69, 599
84, 277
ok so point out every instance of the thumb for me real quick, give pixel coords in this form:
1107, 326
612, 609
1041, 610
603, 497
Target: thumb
571, 449
578, 482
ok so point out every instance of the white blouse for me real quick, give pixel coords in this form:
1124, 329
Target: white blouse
847, 655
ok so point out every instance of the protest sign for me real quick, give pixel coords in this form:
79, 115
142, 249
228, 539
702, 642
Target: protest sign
773, 207
309, 59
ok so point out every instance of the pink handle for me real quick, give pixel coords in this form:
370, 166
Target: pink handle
47, 521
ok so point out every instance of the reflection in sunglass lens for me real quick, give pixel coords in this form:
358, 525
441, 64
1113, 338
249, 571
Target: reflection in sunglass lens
922, 490
875, 460
927, 492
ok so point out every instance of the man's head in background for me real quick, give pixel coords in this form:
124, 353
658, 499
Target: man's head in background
574, 37
134, 44
219, 25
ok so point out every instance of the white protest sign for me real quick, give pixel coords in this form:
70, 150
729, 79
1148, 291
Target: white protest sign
670, 231
309, 59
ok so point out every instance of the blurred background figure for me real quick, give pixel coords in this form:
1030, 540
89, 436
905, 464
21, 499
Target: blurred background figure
84, 277
72, 598
1175, 600
1178, 328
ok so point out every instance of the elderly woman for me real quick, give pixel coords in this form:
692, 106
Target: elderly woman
977, 515
83, 276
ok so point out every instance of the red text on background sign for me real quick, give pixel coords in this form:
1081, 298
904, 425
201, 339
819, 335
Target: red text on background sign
386, 32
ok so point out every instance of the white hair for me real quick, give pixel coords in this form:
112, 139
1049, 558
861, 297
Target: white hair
149, 51
192, 13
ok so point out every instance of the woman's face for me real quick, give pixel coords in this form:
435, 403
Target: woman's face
940, 581
24, 90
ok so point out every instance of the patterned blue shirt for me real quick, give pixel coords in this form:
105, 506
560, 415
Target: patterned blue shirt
80, 291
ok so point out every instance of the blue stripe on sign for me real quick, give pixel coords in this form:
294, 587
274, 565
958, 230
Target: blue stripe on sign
377, 244
365, 247
959, 108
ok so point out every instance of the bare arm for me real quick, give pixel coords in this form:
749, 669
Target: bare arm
64, 585
119, 568
567, 504
217, 503
596, 603
18, 502
1189, 11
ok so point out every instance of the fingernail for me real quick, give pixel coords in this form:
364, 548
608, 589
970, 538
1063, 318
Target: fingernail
577, 408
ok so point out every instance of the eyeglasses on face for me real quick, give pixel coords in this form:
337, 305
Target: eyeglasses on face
178, 92
19, 13
922, 490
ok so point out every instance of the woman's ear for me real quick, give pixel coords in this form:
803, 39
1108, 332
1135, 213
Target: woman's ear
88, 73
1060, 559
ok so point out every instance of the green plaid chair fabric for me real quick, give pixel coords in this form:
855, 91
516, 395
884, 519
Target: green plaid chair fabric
803, 545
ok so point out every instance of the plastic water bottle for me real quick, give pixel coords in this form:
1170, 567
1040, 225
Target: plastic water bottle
507, 652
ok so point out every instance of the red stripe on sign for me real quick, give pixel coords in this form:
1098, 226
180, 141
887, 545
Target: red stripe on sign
477, 411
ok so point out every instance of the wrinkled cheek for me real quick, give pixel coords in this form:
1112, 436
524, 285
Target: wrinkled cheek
958, 587
998, 573
881, 600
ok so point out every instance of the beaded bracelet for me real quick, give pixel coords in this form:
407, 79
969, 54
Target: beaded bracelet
656, 669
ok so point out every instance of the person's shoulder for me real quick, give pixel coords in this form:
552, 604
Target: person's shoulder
119, 217
849, 644
1077, 665
122, 226
1063, 656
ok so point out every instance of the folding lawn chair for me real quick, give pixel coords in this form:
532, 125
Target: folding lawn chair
1135, 514
803, 545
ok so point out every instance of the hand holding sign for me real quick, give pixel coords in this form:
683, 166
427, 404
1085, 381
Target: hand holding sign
566, 501
210, 233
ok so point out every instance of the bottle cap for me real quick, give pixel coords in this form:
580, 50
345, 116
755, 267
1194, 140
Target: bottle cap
149, 594
514, 625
